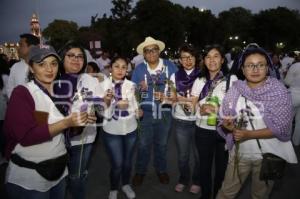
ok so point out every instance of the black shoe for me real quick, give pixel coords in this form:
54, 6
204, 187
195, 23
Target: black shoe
138, 179
163, 178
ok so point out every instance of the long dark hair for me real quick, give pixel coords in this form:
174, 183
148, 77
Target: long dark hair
220, 49
62, 54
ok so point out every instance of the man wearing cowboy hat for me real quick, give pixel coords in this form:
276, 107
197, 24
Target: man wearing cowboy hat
150, 77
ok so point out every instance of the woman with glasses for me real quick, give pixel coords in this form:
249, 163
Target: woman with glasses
33, 125
208, 92
78, 91
256, 116
184, 119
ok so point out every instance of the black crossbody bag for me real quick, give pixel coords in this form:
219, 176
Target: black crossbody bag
51, 169
272, 166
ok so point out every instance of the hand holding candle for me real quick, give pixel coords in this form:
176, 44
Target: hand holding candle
144, 84
145, 79
167, 72
188, 94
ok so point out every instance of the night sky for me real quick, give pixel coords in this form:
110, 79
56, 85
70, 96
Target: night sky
15, 15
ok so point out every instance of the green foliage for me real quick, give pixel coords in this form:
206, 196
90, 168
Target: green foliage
160, 19
277, 25
121, 9
60, 32
174, 25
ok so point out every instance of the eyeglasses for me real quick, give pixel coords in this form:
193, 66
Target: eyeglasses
151, 50
72, 56
187, 58
259, 66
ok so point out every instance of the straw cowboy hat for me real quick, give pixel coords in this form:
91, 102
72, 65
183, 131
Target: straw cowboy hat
150, 41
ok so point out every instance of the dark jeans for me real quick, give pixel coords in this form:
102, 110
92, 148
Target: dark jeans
154, 132
17, 192
120, 150
184, 136
78, 170
210, 148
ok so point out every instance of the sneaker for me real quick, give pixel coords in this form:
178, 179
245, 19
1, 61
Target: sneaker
195, 189
113, 194
179, 187
138, 180
128, 191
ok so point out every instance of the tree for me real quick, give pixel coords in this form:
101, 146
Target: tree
59, 32
160, 19
122, 9
237, 24
277, 25
200, 26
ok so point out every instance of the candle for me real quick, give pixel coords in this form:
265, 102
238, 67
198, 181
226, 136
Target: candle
80, 98
145, 79
167, 72
166, 90
153, 98
188, 95
110, 76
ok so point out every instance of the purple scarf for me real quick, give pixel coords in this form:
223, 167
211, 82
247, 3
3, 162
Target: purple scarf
276, 110
184, 81
118, 97
208, 85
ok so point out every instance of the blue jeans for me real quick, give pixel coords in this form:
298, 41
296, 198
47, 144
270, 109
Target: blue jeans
184, 137
78, 173
211, 146
154, 132
17, 192
120, 149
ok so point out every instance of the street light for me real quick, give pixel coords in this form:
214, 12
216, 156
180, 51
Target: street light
280, 45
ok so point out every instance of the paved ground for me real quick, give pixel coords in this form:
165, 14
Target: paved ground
98, 183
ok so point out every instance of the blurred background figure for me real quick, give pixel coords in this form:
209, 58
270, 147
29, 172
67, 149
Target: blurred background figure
292, 80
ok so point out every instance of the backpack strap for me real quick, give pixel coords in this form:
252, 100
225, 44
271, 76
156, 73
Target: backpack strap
227, 82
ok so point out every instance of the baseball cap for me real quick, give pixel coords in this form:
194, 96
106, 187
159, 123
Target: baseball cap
38, 53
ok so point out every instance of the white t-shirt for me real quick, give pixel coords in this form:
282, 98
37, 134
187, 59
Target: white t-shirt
159, 67
219, 91
292, 78
91, 84
249, 149
178, 111
102, 62
137, 60
286, 62
127, 124
17, 76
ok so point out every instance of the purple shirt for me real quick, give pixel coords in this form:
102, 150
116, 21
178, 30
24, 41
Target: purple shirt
20, 125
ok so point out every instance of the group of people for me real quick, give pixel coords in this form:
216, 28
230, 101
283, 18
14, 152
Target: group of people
53, 115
